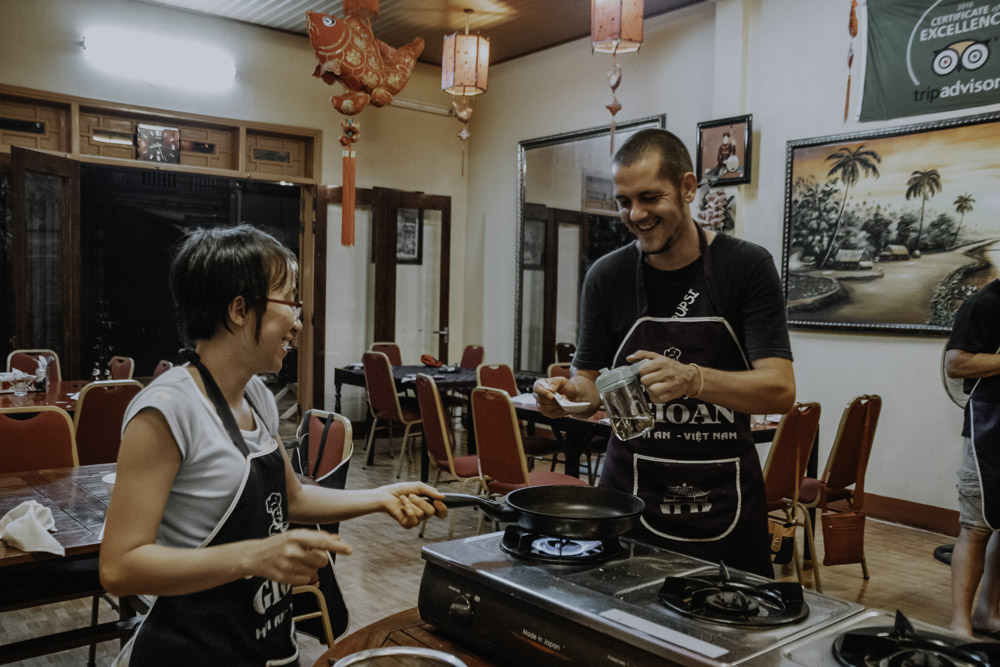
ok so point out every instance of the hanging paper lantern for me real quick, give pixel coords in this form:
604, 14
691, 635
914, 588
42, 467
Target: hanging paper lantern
465, 66
615, 27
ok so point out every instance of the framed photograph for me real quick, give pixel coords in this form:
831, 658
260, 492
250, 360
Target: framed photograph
598, 194
891, 230
410, 236
724, 151
533, 247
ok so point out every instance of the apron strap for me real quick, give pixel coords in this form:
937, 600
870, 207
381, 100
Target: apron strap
219, 401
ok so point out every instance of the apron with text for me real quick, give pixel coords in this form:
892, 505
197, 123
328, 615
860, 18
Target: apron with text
244, 622
698, 470
984, 428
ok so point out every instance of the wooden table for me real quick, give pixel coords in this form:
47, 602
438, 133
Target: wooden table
78, 499
402, 629
60, 394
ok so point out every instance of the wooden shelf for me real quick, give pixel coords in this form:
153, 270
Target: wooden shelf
106, 133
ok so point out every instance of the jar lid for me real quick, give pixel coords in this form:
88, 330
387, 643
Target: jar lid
615, 377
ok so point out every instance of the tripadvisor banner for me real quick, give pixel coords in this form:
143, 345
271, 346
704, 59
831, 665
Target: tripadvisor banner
925, 56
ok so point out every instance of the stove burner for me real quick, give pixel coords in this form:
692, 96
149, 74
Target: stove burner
720, 599
557, 546
902, 646
547, 549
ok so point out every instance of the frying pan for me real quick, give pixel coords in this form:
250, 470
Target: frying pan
570, 512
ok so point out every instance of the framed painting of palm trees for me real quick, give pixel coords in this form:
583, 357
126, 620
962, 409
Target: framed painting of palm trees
891, 230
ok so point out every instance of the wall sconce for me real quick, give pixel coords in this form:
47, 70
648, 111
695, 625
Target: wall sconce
159, 60
615, 27
465, 65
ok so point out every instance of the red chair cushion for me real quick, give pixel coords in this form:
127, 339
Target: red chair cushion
466, 466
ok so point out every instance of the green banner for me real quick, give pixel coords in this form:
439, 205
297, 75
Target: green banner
926, 56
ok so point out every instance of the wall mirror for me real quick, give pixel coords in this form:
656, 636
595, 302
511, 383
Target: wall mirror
567, 218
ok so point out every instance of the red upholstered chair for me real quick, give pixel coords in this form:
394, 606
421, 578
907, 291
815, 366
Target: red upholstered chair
783, 471
500, 376
121, 368
390, 350
440, 448
472, 356
100, 411
559, 370
162, 367
848, 460
44, 439
387, 406
26, 361
323, 456
502, 460
565, 352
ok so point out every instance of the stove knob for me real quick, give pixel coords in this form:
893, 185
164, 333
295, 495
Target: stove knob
461, 608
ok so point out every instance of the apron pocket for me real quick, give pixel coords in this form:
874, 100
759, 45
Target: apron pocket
688, 501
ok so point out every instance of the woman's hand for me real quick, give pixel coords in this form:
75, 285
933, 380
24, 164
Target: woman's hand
293, 557
406, 502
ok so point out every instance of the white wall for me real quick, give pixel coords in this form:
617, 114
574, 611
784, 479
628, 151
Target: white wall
784, 61
399, 148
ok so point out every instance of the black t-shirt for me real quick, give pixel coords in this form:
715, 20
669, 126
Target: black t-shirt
743, 281
977, 331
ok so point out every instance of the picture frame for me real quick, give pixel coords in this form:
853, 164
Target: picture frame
890, 230
410, 236
533, 244
725, 151
598, 194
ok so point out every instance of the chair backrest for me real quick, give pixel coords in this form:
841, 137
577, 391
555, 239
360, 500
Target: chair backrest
559, 370
472, 356
325, 443
100, 411
498, 437
36, 438
435, 426
565, 352
497, 376
796, 431
26, 361
390, 350
162, 367
380, 384
121, 368
848, 459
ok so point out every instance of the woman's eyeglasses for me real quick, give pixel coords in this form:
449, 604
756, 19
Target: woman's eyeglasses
295, 305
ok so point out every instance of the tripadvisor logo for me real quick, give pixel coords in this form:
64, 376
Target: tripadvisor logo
966, 55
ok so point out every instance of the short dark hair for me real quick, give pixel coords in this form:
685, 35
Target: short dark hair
675, 161
214, 266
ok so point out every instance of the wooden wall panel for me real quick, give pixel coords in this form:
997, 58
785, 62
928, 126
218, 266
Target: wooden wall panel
55, 137
295, 148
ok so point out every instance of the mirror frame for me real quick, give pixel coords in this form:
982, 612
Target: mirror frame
658, 122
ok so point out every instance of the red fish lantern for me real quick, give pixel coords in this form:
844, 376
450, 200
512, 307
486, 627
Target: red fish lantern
371, 71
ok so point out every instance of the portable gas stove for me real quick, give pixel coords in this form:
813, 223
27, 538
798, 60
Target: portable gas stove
878, 637
525, 599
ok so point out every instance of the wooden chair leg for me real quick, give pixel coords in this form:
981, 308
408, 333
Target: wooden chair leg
404, 448
369, 453
864, 569
807, 526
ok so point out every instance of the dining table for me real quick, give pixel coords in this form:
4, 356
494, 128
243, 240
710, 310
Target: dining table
62, 394
78, 498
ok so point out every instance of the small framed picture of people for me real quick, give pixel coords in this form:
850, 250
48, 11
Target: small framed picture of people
724, 151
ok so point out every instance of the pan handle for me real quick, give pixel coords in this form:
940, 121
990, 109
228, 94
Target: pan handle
493, 509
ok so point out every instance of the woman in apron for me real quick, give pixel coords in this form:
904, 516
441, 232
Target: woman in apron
205, 492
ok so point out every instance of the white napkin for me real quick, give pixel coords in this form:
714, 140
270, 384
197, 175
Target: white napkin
523, 399
27, 526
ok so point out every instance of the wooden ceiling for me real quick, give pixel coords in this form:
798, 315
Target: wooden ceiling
514, 27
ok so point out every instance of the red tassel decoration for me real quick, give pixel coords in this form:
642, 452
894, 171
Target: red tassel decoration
350, 136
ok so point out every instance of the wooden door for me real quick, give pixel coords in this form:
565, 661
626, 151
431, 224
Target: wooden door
45, 255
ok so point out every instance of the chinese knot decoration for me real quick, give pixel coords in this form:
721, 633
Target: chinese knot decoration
371, 71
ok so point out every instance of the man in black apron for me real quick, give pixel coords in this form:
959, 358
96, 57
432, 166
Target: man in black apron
707, 312
973, 354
